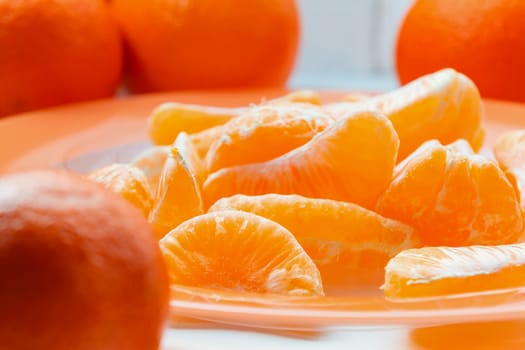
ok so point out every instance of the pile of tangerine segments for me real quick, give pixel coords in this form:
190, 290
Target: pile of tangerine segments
291, 196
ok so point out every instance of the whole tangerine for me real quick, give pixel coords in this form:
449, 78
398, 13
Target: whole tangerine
79, 267
198, 44
56, 51
482, 39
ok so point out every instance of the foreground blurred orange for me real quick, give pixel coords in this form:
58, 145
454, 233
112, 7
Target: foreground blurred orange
79, 267
176, 44
56, 51
482, 39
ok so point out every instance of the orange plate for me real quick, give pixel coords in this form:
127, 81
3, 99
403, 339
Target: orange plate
85, 136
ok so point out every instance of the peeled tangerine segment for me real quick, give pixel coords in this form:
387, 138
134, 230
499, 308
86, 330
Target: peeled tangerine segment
444, 105
178, 196
453, 197
127, 181
509, 150
299, 96
239, 251
203, 140
265, 132
151, 162
171, 118
352, 160
333, 233
435, 271
190, 154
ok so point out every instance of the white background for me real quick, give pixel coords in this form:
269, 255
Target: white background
348, 44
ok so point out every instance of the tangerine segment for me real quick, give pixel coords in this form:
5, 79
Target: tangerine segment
453, 197
331, 232
240, 251
517, 179
445, 105
178, 197
280, 128
189, 152
352, 161
127, 181
509, 150
151, 162
169, 119
356, 97
299, 96
203, 140
434, 271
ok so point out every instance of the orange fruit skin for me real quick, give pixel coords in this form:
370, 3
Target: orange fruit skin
235, 250
200, 44
55, 52
80, 267
453, 197
484, 40
352, 161
433, 271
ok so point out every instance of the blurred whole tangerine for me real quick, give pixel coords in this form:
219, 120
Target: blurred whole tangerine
199, 44
482, 39
56, 51
79, 265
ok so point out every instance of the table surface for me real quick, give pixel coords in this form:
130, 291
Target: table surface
506, 335
218, 339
